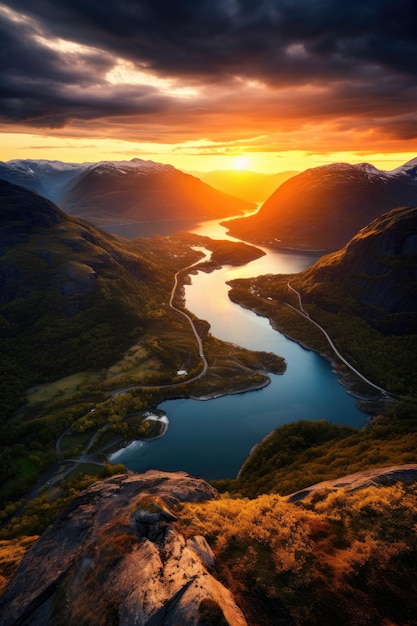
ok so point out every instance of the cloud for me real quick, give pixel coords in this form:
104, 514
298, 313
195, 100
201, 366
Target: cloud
213, 69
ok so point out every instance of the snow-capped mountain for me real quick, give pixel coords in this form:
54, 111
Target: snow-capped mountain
408, 169
48, 178
52, 178
114, 192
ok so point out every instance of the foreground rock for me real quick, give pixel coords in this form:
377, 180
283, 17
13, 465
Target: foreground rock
114, 557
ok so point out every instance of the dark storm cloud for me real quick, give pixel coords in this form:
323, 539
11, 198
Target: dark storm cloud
221, 37
45, 87
362, 53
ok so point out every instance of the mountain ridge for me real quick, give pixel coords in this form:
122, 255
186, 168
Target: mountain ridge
57, 280
377, 268
113, 192
323, 207
363, 295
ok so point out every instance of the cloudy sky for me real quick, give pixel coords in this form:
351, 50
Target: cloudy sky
283, 84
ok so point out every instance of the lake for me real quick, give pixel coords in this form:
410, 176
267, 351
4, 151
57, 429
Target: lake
212, 438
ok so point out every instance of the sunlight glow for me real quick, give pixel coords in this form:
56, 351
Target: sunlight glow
201, 155
241, 163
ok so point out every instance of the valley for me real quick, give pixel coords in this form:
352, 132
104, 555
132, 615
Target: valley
174, 355
143, 328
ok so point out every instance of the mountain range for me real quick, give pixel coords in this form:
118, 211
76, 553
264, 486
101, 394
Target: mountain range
116, 192
164, 548
324, 207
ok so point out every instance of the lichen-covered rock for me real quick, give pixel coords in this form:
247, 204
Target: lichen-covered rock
115, 557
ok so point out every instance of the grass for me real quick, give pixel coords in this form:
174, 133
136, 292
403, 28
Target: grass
85, 469
70, 444
135, 367
12, 552
337, 557
62, 389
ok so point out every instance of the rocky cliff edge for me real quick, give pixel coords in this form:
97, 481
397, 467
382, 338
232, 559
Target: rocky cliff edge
114, 557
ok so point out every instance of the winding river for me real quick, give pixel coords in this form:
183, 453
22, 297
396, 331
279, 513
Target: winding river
212, 438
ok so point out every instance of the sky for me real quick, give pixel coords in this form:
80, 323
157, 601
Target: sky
268, 85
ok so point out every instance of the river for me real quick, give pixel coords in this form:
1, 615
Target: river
212, 438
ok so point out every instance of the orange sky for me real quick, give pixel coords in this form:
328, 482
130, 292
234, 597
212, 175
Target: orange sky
286, 85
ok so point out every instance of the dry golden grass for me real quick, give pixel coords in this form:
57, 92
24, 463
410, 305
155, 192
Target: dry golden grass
12, 552
349, 556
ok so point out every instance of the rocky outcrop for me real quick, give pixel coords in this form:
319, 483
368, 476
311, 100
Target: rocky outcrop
379, 477
114, 556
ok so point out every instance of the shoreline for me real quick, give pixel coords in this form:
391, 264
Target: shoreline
221, 394
369, 404
155, 415
274, 245
159, 416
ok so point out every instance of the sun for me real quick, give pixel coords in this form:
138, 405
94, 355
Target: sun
241, 163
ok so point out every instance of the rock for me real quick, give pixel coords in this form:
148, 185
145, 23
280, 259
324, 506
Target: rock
153, 526
203, 550
379, 477
114, 556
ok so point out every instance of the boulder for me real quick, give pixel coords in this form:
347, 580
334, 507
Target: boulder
115, 556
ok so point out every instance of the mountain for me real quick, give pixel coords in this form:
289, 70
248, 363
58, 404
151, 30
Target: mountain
48, 178
364, 296
375, 275
114, 192
252, 186
64, 283
402, 182
324, 207
111, 193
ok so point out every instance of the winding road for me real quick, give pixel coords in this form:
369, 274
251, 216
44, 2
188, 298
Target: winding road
304, 313
117, 392
191, 322
50, 478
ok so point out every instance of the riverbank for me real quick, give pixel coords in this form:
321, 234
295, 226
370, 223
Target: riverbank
369, 402
207, 416
157, 418
231, 392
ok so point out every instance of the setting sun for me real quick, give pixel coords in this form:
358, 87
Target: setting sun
241, 163
80, 89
